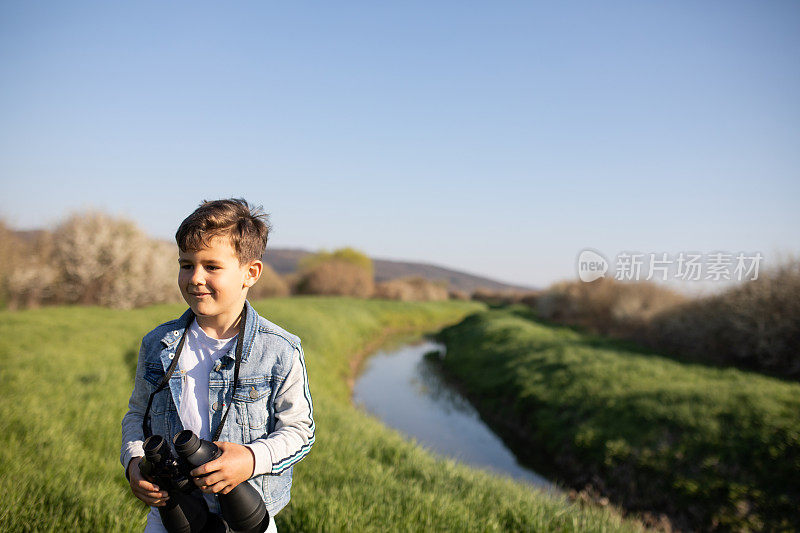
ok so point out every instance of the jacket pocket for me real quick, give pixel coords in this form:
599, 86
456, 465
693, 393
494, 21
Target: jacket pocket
252, 414
154, 373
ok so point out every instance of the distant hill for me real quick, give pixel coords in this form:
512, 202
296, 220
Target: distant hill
284, 261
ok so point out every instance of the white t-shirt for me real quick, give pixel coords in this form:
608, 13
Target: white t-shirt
198, 356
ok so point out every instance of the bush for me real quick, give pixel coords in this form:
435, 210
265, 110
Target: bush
33, 280
346, 255
109, 261
605, 306
755, 325
343, 272
457, 294
269, 285
293, 280
24, 274
336, 277
411, 289
93, 258
507, 297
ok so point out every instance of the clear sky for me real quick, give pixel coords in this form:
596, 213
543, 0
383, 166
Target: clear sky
499, 138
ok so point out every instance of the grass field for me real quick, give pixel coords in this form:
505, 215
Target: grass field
67, 373
713, 447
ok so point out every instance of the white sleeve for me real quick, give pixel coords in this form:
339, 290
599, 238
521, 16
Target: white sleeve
132, 436
294, 423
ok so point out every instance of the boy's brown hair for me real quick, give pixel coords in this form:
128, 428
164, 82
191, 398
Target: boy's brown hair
247, 228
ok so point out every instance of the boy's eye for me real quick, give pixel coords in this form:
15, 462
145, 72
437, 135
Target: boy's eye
186, 267
212, 267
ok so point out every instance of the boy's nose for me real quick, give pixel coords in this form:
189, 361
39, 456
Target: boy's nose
197, 277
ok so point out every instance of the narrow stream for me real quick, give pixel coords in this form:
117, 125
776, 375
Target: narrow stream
407, 393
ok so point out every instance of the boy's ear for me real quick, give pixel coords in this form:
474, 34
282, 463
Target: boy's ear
253, 273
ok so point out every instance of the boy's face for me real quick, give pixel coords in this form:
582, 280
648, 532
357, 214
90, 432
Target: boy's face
213, 282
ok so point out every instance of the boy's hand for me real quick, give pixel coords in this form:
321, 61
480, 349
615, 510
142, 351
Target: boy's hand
221, 475
143, 489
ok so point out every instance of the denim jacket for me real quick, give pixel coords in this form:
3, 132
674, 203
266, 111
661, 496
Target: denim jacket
255, 417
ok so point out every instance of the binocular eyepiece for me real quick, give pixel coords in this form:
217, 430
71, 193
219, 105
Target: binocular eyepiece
186, 511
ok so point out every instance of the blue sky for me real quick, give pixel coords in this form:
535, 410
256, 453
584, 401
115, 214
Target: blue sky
498, 138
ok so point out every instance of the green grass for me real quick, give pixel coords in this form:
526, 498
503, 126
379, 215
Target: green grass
67, 373
713, 447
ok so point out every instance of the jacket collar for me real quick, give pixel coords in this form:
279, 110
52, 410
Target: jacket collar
177, 327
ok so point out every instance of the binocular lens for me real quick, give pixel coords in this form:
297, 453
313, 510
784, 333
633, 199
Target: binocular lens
186, 443
153, 444
153, 448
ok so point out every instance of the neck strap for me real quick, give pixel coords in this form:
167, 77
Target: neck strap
165, 380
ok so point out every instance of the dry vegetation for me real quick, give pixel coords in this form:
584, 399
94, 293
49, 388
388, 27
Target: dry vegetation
14, 252
270, 285
93, 258
458, 294
336, 277
507, 297
90, 258
605, 306
345, 255
415, 289
755, 325
349, 272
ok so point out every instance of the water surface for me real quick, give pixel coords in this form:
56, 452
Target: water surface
406, 392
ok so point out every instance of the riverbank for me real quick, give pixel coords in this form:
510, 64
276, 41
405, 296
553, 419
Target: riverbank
712, 448
67, 374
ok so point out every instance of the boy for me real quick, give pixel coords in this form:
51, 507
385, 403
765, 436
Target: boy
266, 424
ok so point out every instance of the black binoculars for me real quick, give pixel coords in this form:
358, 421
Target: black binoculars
243, 511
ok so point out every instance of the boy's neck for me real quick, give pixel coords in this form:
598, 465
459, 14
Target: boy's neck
222, 326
